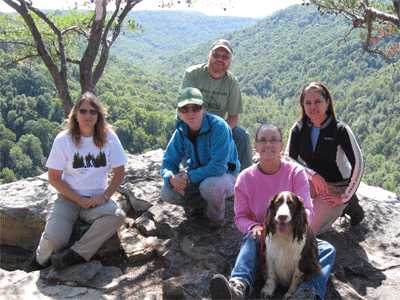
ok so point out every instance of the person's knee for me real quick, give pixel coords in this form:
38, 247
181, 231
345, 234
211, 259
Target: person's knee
120, 217
215, 188
327, 249
165, 193
241, 135
170, 196
54, 243
211, 193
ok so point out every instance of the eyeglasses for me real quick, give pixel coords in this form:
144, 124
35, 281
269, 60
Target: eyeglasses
265, 141
217, 56
187, 108
84, 111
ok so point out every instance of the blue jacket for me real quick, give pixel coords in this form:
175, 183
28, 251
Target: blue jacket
213, 155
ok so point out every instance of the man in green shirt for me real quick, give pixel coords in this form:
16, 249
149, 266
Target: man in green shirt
221, 93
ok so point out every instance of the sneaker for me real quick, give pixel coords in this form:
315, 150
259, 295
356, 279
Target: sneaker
66, 258
304, 294
354, 210
216, 224
221, 288
31, 264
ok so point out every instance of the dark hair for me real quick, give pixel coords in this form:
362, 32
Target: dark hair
101, 127
269, 126
323, 90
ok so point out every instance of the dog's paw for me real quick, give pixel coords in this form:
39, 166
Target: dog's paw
288, 295
267, 292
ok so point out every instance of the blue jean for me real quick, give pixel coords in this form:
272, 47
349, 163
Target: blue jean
247, 261
247, 264
326, 259
241, 137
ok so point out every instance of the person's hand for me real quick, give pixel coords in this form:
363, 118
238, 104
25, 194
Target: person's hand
256, 230
93, 201
179, 182
332, 199
319, 184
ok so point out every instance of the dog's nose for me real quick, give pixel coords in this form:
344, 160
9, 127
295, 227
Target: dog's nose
282, 218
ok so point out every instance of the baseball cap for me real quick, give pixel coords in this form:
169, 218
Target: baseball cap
224, 44
189, 95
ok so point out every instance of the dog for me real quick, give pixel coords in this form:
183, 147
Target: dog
291, 248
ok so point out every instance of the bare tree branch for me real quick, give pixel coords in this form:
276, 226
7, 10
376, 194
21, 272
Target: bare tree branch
17, 43
18, 60
364, 16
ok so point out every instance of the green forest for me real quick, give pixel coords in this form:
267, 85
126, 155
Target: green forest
273, 59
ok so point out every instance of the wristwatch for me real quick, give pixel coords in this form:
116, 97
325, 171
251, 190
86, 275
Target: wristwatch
105, 197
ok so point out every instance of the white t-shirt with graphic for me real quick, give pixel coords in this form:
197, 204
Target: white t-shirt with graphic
85, 168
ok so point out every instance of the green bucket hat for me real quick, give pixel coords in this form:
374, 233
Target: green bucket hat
189, 95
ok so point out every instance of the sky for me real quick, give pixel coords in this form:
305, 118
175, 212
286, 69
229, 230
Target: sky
242, 8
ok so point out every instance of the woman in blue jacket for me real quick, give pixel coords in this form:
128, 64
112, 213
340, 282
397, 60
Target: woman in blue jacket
212, 164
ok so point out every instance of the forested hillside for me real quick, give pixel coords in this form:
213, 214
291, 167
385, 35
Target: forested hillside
167, 32
273, 60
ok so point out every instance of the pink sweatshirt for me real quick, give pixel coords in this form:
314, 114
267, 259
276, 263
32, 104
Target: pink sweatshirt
254, 189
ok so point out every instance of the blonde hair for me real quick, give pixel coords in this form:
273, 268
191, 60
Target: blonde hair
101, 128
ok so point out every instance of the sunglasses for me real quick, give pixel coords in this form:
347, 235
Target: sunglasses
187, 108
84, 111
217, 56
265, 141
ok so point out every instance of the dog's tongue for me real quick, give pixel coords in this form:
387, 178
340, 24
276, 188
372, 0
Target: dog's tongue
282, 227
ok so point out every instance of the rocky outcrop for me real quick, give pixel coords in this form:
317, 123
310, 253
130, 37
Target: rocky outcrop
367, 263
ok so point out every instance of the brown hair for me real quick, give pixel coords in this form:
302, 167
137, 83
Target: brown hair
269, 126
323, 90
101, 128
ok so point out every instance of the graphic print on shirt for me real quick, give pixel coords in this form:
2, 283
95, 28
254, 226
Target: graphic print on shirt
210, 98
89, 161
213, 103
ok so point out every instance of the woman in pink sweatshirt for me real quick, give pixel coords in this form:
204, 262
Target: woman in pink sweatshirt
254, 187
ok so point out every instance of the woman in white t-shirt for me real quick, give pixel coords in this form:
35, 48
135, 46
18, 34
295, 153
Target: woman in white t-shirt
78, 167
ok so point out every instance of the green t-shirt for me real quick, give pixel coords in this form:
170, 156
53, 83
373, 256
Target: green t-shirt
220, 96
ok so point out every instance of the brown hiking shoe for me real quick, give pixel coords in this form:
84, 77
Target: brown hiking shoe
222, 288
32, 265
354, 210
216, 224
66, 258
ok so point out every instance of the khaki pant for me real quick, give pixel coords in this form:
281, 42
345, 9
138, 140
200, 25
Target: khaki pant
105, 220
211, 193
324, 216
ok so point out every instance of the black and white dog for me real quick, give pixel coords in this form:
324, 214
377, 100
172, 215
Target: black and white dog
291, 247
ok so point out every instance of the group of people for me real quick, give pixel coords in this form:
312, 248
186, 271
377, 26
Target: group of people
322, 163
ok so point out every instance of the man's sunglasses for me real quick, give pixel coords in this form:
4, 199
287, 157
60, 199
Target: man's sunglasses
187, 108
84, 111
217, 56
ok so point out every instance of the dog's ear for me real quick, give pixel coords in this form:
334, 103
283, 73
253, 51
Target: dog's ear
270, 226
300, 221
